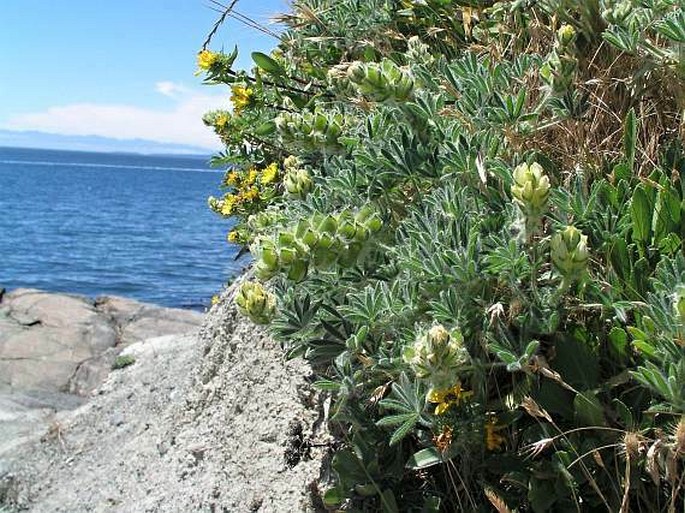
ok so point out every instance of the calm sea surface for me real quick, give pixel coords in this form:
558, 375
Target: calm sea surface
126, 225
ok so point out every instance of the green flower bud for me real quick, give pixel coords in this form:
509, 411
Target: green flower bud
329, 225
326, 241
287, 256
436, 356
362, 233
364, 213
347, 229
374, 223
310, 238
298, 270
256, 302
264, 272
570, 253
268, 254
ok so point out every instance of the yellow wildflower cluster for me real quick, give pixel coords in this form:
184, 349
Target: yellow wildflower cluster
206, 58
249, 189
270, 173
222, 120
448, 397
242, 97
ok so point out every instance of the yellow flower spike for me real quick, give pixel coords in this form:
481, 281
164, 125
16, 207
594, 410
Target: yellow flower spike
206, 58
448, 397
215, 299
493, 440
269, 174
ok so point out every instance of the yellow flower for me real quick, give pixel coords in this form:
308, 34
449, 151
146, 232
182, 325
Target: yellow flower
233, 236
241, 97
206, 58
270, 173
251, 176
251, 194
232, 178
445, 398
215, 299
222, 120
493, 440
228, 204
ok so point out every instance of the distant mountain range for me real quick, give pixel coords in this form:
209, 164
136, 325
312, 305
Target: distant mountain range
47, 141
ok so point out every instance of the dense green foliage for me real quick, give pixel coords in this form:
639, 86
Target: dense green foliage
469, 216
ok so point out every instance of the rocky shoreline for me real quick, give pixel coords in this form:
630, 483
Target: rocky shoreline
202, 421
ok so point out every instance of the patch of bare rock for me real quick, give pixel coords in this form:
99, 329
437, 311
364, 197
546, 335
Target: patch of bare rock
215, 422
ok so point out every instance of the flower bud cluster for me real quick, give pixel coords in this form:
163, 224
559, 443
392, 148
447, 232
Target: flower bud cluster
531, 193
616, 12
297, 182
311, 130
436, 356
320, 241
570, 253
417, 51
256, 302
381, 82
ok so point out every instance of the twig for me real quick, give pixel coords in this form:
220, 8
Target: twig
218, 23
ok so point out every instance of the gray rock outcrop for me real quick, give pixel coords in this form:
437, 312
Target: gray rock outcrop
66, 343
216, 423
55, 349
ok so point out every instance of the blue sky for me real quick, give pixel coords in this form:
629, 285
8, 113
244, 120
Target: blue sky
117, 68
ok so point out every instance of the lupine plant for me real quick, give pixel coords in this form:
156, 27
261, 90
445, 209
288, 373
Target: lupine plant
468, 216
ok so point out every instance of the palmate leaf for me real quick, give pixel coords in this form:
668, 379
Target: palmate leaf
408, 398
622, 38
297, 317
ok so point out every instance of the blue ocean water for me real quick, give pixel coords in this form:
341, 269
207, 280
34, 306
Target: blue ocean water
116, 224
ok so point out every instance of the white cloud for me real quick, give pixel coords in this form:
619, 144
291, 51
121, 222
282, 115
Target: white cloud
180, 124
170, 89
